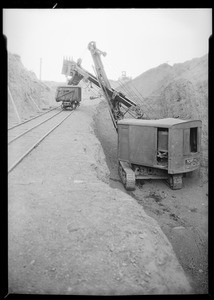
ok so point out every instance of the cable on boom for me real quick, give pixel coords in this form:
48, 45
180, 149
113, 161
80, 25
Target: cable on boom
136, 97
140, 97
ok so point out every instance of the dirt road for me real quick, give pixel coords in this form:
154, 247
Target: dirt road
181, 214
70, 232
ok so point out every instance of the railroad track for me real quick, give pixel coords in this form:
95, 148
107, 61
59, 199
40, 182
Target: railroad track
38, 116
26, 136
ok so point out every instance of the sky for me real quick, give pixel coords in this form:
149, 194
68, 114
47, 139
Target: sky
135, 40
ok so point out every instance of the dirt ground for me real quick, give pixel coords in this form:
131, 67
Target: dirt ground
181, 214
73, 230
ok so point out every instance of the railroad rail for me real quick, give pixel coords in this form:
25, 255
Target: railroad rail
40, 115
31, 128
18, 150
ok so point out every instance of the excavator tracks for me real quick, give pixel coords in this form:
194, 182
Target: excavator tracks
127, 175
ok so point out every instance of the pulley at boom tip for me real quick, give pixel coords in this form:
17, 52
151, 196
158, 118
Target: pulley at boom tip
92, 47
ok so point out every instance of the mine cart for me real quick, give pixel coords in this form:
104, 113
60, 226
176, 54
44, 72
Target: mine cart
70, 96
158, 149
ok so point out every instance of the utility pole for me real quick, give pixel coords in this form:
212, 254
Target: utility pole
40, 69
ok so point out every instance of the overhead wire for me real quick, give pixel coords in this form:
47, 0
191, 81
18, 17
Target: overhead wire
130, 90
97, 90
127, 91
133, 93
139, 96
124, 86
145, 99
121, 84
136, 93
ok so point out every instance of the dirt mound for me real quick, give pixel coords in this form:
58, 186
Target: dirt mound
176, 91
29, 94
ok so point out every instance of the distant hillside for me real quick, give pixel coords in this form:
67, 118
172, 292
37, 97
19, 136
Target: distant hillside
157, 83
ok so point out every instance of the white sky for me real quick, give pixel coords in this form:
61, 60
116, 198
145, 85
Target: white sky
135, 39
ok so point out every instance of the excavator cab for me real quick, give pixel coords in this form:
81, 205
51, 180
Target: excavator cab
158, 149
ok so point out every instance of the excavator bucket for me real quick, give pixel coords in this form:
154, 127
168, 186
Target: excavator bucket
68, 69
75, 79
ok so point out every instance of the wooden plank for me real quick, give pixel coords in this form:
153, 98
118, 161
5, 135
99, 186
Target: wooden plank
34, 102
14, 105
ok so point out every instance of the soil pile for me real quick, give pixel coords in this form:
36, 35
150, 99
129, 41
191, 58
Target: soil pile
179, 91
29, 94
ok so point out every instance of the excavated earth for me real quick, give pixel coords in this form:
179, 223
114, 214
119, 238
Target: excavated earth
71, 233
73, 229
181, 214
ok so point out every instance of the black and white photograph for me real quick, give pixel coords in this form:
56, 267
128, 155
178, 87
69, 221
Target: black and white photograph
107, 145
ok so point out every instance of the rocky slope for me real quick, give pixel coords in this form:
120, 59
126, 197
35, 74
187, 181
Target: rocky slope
29, 94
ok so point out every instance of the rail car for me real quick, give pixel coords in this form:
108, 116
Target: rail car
70, 96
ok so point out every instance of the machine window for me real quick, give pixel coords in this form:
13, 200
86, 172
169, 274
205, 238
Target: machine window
193, 139
162, 146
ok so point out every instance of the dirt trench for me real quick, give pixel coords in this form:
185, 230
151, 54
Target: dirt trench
181, 214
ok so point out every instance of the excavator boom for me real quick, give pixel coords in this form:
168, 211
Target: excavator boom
118, 103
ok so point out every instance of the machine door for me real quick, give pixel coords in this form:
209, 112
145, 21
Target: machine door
123, 142
143, 145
